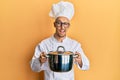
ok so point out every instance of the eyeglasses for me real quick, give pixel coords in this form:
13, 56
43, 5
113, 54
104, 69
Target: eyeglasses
60, 24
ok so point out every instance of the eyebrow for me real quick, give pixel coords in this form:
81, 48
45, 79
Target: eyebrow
60, 21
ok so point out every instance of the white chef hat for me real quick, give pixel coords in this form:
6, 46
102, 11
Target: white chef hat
65, 9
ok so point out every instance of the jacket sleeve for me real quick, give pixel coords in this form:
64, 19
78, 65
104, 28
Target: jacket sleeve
85, 60
35, 63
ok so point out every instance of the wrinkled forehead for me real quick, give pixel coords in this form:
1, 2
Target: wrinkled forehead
62, 19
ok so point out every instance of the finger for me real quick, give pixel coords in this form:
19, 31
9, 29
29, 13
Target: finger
42, 55
43, 60
79, 55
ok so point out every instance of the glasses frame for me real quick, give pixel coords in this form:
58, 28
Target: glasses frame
60, 24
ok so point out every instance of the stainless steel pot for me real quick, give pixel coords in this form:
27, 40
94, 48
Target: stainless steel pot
61, 61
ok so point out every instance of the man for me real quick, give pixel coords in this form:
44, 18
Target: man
63, 13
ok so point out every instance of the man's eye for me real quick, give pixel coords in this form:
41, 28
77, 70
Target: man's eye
58, 22
65, 23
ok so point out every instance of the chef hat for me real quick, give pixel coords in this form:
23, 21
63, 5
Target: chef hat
62, 8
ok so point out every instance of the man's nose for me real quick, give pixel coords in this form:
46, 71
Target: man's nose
62, 26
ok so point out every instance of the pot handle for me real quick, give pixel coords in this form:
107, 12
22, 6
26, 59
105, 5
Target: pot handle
60, 47
75, 55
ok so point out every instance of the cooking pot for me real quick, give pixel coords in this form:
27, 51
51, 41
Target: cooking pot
61, 61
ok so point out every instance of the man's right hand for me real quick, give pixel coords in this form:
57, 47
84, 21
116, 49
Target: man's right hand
43, 58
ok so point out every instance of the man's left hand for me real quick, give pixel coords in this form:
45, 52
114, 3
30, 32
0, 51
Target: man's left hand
78, 59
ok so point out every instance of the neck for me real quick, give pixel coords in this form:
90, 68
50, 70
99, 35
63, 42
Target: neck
60, 39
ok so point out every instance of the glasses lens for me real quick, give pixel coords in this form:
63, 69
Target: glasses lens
66, 24
58, 23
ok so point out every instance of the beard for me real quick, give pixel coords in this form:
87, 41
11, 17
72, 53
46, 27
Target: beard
61, 36
60, 33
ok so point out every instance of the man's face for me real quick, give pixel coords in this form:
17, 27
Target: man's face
61, 24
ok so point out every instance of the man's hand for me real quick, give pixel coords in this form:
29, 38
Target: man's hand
78, 59
43, 58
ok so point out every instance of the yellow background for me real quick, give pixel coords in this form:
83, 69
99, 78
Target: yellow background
24, 23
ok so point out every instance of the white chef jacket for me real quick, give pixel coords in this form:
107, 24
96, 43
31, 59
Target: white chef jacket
51, 44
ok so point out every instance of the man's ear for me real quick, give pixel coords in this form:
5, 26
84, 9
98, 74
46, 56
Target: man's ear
54, 24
